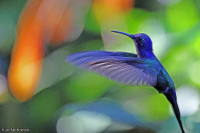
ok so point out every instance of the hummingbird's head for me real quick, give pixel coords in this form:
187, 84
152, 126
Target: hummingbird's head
142, 41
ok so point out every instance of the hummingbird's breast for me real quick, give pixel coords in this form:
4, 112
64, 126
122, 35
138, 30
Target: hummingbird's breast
164, 81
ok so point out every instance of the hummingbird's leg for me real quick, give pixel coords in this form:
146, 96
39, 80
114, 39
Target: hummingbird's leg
164, 91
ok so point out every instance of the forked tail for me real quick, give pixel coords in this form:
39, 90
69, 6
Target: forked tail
171, 96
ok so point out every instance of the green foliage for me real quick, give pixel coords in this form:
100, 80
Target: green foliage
86, 86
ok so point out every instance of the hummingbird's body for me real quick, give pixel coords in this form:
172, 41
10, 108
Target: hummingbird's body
141, 69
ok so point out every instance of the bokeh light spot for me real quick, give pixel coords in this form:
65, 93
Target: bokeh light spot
188, 100
83, 122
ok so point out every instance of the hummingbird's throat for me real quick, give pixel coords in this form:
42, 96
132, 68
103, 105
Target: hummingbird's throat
138, 52
141, 53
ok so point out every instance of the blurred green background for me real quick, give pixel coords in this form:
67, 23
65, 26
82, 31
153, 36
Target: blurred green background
72, 100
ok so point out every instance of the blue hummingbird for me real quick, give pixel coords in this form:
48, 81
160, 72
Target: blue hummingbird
136, 70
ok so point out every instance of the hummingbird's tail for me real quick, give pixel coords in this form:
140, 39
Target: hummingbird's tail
171, 96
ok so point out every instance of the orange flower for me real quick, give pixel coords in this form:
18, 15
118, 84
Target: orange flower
42, 21
57, 18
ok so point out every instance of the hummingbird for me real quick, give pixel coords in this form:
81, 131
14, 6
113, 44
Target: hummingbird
141, 69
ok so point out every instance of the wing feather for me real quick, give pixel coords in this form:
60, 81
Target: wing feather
120, 66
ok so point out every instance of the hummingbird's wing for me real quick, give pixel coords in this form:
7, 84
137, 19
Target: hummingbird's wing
120, 66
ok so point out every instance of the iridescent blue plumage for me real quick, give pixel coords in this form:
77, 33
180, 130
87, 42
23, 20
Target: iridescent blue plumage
141, 69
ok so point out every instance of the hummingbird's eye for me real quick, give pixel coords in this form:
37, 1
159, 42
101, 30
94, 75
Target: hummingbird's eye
140, 38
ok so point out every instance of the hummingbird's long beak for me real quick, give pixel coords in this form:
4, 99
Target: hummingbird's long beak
129, 35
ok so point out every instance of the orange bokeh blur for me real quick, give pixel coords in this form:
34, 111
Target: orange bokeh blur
41, 22
105, 9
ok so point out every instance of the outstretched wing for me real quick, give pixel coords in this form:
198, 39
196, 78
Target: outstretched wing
120, 66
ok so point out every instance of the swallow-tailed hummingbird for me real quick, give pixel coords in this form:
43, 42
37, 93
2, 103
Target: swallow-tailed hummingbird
136, 70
